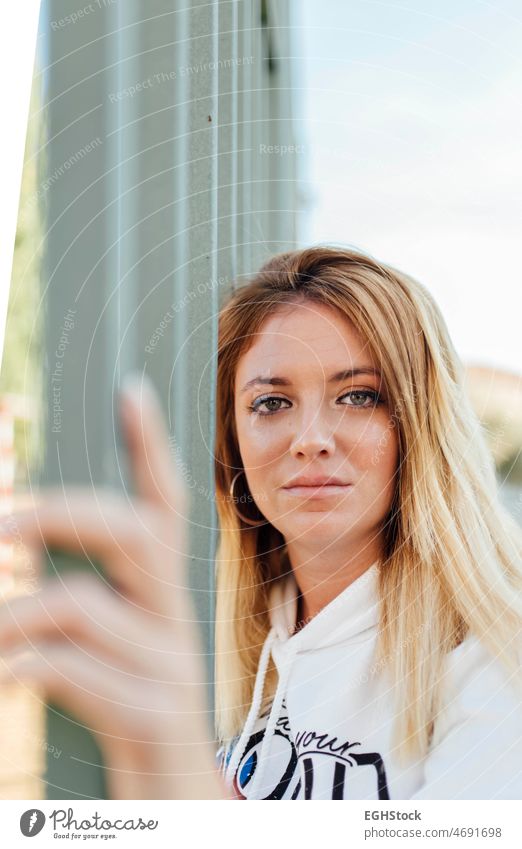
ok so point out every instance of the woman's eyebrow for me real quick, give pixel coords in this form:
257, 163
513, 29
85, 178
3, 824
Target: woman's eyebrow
260, 380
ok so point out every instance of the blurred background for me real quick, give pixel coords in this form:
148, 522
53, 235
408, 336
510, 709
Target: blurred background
172, 148
411, 124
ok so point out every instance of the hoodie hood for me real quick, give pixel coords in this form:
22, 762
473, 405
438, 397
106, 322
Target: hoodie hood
349, 617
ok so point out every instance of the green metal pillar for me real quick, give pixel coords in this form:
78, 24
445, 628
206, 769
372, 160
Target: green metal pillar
154, 203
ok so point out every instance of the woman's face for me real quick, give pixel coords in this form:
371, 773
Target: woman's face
310, 407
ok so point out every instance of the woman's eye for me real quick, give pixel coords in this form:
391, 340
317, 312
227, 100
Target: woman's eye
362, 398
270, 401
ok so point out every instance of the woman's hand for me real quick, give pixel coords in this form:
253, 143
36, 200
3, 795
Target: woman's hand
121, 651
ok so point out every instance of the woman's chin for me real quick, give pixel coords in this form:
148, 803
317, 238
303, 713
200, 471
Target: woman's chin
314, 526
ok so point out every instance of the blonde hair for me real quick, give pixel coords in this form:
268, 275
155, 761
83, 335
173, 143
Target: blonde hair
452, 554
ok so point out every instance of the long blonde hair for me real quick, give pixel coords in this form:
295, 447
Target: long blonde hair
452, 554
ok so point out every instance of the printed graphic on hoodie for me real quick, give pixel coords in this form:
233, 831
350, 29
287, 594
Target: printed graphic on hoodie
312, 765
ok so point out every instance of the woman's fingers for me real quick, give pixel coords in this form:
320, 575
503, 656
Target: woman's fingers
142, 550
157, 479
78, 609
130, 706
26, 560
106, 700
141, 543
156, 735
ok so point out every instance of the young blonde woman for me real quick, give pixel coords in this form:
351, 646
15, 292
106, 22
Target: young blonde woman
369, 619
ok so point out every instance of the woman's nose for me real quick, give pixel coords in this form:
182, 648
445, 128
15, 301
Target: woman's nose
313, 436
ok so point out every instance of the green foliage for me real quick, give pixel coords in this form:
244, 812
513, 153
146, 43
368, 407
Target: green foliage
21, 373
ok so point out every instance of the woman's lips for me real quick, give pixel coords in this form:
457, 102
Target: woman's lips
323, 491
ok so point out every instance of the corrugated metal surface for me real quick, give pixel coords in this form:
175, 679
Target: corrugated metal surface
147, 231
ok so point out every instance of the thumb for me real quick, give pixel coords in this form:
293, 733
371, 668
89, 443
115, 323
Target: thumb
156, 478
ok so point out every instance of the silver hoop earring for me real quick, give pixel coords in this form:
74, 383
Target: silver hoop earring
254, 523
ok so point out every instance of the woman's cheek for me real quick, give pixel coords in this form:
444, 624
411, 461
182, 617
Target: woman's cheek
258, 458
261, 445
385, 455
363, 435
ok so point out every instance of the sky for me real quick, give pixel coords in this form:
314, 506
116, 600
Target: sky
410, 124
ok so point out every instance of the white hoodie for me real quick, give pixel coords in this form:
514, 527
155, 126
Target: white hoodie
327, 734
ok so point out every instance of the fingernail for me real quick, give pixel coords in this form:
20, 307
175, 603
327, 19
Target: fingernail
140, 389
135, 381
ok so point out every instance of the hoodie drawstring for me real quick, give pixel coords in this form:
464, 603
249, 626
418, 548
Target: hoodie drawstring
255, 707
271, 724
